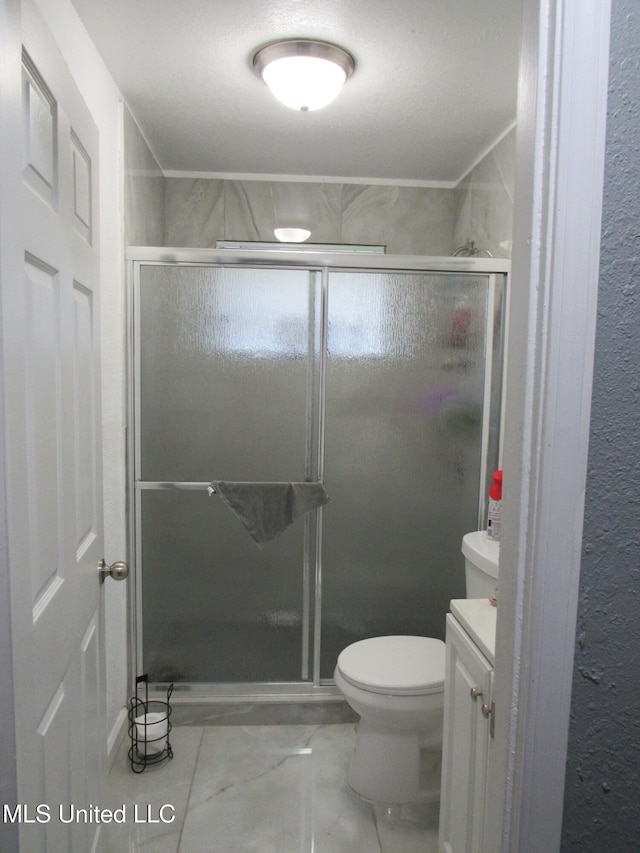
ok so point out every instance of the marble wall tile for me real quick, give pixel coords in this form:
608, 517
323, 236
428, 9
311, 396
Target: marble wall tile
199, 212
143, 189
407, 220
254, 208
484, 202
194, 212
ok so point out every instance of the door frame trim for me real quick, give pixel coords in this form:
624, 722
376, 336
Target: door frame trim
560, 155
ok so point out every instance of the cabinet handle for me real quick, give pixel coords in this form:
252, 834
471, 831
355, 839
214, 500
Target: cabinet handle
486, 710
475, 693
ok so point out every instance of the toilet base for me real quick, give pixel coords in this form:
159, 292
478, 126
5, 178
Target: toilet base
394, 766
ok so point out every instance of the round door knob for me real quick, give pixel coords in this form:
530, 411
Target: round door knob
118, 571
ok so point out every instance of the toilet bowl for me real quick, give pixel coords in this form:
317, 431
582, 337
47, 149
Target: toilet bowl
396, 684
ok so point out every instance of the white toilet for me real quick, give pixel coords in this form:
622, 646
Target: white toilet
396, 684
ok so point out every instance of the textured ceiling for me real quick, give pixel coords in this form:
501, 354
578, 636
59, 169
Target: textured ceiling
434, 86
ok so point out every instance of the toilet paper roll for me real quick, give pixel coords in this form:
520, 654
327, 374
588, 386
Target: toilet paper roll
152, 729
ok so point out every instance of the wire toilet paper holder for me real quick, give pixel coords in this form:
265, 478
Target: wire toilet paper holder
149, 727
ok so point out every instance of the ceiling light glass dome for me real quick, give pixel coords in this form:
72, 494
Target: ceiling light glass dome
304, 74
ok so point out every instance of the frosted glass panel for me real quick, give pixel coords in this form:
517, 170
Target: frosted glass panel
225, 372
404, 407
228, 386
215, 607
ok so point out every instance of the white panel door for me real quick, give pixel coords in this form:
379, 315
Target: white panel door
54, 502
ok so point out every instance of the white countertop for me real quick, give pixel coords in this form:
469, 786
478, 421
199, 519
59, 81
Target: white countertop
478, 618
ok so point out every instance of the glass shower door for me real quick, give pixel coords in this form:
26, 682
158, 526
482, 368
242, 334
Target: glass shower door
406, 401
384, 385
227, 388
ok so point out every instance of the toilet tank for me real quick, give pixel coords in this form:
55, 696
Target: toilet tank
481, 556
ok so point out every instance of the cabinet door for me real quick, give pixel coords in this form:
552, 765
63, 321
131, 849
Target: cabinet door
465, 746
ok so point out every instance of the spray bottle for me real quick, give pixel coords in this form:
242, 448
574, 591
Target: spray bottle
494, 516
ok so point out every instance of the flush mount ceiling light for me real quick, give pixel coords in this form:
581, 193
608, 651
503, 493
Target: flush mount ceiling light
302, 73
292, 235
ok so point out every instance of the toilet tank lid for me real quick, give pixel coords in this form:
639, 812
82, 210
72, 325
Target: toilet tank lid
482, 551
396, 663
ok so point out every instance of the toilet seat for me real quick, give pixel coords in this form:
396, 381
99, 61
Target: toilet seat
400, 665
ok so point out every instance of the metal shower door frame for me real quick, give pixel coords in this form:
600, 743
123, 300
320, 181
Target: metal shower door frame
323, 262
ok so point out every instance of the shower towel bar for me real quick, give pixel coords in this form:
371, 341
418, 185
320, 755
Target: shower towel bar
161, 484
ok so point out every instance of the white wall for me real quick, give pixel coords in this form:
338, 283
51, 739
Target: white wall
143, 188
104, 101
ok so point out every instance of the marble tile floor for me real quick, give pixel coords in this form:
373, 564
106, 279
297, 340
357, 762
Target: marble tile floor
257, 789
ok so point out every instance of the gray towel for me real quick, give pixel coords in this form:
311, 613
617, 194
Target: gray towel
267, 509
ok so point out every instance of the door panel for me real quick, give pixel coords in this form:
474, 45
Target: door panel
40, 112
42, 366
54, 491
84, 370
52, 749
227, 376
404, 413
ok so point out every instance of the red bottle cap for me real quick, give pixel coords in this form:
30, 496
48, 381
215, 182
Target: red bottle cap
495, 492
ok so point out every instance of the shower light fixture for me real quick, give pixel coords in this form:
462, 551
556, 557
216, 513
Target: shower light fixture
302, 73
292, 235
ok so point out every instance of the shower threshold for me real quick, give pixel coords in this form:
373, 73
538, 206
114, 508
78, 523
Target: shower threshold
201, 704
271, 692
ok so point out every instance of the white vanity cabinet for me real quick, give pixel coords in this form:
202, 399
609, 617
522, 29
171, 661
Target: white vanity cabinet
468, 719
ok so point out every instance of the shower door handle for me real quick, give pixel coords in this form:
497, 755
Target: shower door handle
118, 571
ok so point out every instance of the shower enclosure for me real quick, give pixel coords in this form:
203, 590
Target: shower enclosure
379, 376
